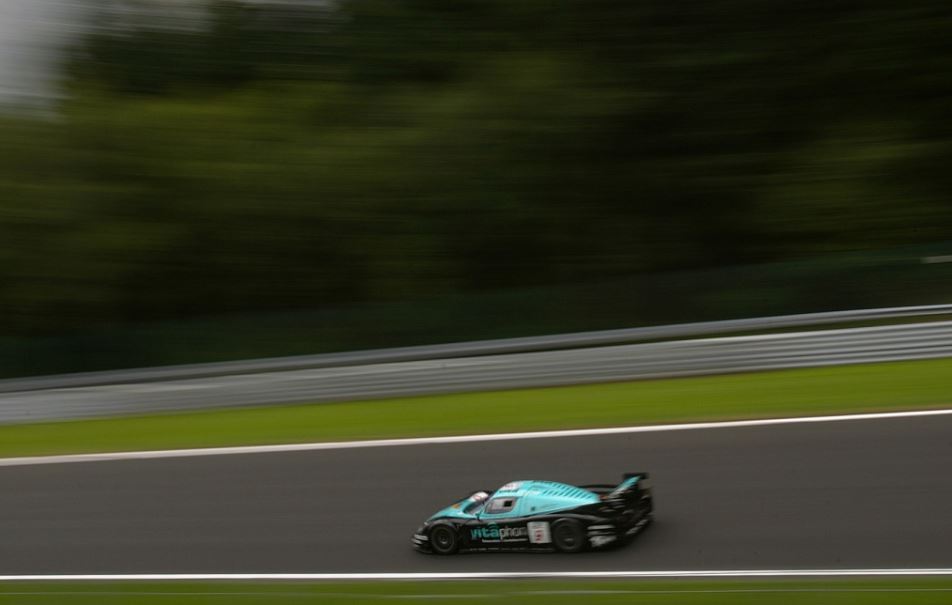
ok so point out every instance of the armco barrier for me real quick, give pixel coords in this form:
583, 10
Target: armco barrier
467, 349
373, 374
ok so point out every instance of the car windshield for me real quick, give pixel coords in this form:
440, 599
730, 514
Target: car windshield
474, 507
476, 502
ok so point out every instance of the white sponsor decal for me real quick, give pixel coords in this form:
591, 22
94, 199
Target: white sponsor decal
511, 487
494, 533
539, 532
601, 540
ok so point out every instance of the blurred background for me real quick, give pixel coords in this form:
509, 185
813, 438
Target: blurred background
199, 180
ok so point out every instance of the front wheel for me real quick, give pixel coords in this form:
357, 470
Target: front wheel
568, 535
443, 540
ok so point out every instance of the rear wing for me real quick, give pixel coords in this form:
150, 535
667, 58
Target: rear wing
631, 482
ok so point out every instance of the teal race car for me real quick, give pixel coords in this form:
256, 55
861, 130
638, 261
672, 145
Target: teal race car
540, 515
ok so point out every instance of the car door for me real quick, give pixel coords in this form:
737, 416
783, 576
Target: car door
501, 524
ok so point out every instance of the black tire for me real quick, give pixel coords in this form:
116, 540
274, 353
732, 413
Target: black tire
443, 540
568, 535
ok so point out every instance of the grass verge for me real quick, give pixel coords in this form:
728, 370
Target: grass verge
855, 388
923, 591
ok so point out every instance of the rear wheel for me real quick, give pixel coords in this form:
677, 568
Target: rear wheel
443, 540
568, 535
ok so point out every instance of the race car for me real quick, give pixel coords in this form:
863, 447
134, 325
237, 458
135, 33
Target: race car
540, 515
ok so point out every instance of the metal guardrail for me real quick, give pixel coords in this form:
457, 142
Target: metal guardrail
466, 349
489, 372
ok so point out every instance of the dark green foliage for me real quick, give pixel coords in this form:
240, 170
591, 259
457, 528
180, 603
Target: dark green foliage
270, 157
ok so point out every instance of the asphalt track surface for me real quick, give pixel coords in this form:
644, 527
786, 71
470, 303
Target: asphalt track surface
855, 494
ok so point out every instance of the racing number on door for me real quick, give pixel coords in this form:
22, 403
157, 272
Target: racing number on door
539, 532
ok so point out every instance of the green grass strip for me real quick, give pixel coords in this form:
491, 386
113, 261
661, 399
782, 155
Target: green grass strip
923, 591
843, 389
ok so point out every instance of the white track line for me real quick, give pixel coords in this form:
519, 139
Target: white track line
718, 573
341, 445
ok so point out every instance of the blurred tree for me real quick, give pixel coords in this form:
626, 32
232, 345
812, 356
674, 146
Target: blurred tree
254, 156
